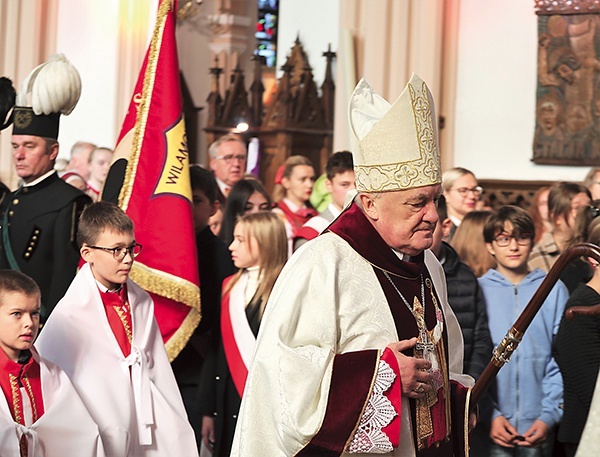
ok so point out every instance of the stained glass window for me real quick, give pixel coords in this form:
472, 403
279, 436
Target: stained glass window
266, 30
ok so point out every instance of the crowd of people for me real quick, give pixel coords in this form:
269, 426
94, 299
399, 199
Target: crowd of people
359, 329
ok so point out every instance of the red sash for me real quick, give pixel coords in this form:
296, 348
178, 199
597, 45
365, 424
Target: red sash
235, 362
296, 219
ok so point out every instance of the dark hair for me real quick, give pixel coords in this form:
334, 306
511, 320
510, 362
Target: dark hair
442, 209
15, 281
101, 216
236, 205
560, 196
339, 162
204, 180
519, 218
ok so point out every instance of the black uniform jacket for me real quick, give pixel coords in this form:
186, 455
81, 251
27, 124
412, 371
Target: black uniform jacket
40, 223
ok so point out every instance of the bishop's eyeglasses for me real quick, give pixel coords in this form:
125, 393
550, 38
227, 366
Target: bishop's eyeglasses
120, 252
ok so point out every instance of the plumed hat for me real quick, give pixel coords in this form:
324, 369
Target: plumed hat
395, 147
51, 89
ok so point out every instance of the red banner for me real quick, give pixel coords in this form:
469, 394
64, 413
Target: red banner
156, 190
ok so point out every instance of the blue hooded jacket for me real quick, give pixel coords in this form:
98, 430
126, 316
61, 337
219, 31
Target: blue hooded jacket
530, 386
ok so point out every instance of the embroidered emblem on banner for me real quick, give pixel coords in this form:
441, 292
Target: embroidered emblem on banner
175, 176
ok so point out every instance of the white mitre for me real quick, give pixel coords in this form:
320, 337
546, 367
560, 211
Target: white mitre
394, 147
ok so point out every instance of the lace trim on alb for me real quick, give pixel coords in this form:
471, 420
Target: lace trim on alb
378, 414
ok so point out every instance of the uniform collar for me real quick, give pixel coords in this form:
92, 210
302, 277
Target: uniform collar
40, 179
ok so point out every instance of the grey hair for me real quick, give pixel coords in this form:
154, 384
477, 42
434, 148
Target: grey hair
213, 149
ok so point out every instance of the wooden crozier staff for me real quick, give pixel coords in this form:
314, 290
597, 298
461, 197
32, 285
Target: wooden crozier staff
508, 345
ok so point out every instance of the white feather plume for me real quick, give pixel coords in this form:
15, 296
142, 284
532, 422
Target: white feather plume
53, 87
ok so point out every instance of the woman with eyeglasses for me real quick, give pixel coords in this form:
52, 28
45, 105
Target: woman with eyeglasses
577, 349
564, 200
462, 194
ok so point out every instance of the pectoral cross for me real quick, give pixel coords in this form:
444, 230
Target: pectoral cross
425, 346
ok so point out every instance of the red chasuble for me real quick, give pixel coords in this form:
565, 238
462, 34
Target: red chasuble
430, 416
118, 313
296, 219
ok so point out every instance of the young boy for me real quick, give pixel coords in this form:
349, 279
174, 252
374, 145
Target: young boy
104, 335
530, 386
340, 179
214, 265
40, 409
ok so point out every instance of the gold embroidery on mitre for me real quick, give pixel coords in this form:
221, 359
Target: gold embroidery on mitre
405, 146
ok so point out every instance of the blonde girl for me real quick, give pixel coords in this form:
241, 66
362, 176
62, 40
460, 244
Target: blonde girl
259, 249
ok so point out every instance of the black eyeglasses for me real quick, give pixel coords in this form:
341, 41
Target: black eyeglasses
120, 252
504, 240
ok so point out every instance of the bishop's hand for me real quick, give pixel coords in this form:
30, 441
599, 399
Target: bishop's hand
414, 375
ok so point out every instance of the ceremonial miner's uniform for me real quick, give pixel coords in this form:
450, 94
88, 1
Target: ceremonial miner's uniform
38, 221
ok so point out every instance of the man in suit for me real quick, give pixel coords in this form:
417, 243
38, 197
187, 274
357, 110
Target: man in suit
228, 157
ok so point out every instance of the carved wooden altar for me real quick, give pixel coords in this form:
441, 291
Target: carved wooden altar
297, 121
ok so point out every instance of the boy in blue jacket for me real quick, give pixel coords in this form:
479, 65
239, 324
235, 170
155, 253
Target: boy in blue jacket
530, 387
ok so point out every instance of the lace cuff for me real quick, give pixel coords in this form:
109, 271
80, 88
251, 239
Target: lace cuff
379, 413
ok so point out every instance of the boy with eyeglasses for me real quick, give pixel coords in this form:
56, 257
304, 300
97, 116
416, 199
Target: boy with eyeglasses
104, 336
530, 386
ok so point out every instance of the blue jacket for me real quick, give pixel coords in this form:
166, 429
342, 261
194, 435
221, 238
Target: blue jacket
530, 386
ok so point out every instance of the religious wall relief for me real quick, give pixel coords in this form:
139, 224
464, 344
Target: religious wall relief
567, 130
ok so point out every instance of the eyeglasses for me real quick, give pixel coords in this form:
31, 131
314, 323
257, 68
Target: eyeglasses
504, 240
231, 158
464, 191
120, 252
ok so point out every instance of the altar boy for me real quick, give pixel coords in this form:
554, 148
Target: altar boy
40, 411
104, 335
